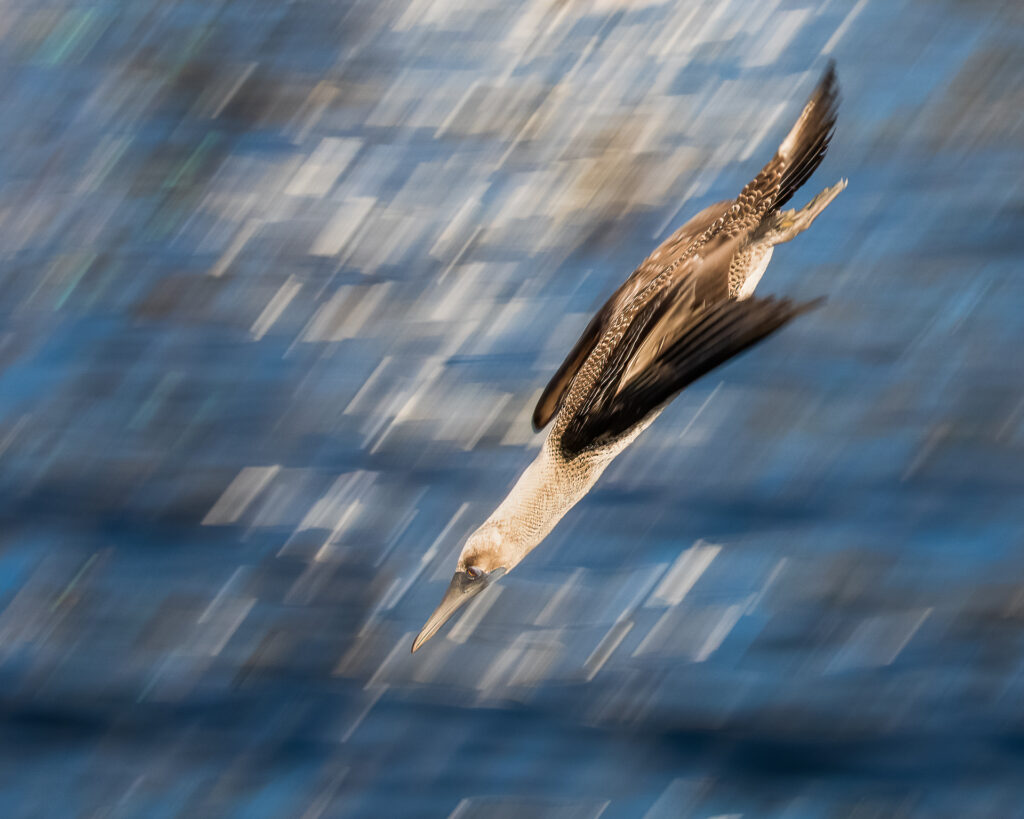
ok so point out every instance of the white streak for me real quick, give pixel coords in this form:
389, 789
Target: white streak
318, 174
841, 30
685, 572
272, 312
728, 621
342, 227
611, 641
228, 256
239, 494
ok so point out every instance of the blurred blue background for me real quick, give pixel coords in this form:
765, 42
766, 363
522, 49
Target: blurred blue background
280, 283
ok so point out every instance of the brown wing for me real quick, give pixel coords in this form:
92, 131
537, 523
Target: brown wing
712, 234
668, 254
703, 279
702, 341
800, 153
673, 339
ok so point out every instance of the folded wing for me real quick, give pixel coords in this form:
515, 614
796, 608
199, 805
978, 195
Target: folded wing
686, 347
669, 254
689, 326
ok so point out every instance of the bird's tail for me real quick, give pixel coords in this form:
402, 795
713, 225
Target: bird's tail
783, 225
801, 151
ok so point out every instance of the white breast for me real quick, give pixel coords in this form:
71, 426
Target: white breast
755, 276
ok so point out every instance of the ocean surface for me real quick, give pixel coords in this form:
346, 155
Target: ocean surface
279, 285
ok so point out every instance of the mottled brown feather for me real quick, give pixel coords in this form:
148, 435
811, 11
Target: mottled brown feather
668, 255
628, 361
711, 336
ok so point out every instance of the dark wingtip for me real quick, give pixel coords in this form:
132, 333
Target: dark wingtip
538, 421
828, 85
714, 335
807, 306
829, 75
828, 91
813, 133
788, 309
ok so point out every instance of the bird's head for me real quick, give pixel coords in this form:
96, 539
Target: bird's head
481, 562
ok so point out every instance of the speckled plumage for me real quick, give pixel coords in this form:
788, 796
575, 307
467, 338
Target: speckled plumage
686, 309
690, 263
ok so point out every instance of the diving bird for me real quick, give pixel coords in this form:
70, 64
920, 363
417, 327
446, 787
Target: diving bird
685, 310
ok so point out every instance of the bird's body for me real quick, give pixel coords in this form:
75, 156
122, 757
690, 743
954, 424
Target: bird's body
685, 310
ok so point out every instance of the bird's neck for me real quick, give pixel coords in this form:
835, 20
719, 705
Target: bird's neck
547, 489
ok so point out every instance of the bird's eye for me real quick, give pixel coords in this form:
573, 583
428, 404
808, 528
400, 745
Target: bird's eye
474, 572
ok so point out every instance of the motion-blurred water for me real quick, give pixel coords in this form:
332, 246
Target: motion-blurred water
280, 282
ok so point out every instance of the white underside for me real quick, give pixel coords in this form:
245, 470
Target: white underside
751, 281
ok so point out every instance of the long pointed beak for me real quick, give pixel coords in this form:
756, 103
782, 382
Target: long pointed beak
461, 590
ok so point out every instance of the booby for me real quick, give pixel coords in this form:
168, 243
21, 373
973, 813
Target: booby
688, 308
